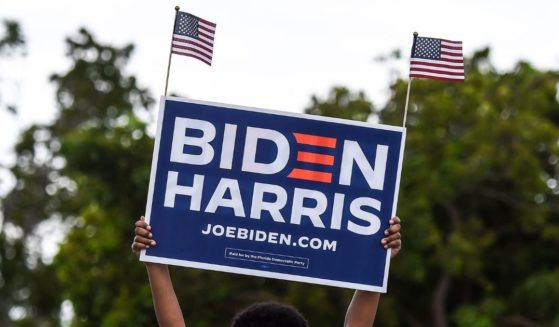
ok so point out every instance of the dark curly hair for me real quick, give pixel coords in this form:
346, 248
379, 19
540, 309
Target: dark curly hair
269, 314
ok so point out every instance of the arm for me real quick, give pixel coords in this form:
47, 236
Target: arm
165, 301
167, 308
362, 310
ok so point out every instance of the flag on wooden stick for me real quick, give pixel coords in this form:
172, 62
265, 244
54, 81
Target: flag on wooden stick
437, 59
193, 37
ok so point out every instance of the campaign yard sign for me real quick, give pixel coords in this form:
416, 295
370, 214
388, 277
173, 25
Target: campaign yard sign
273, 194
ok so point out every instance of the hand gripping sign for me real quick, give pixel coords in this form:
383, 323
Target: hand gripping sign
273, 194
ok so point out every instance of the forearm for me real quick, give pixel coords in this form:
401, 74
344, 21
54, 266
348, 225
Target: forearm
362, 309
167, 308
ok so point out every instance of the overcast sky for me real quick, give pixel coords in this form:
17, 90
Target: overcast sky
267, 54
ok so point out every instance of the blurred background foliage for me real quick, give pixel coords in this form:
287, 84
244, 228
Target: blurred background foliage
478, 199
12, 44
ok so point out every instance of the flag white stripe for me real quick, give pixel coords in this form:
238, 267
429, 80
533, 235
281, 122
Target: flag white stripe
192, 47
193, 54
207, 35
196, 45
202, 37
451, 57
451, 43
441, 69
452, 50
186, 38
210, 27
439, 62
415, 74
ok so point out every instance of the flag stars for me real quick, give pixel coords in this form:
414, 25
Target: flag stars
186, 25
427, 48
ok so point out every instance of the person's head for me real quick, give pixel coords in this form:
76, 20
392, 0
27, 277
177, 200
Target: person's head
269, 314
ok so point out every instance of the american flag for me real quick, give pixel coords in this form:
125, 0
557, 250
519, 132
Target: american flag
437, 59
193, 37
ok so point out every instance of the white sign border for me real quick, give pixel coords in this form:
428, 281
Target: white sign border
251, 272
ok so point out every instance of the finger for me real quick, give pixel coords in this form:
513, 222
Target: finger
395, 245
143, 240
395, 220
391, 238
137, 247
143, 224
140, 231
394, 227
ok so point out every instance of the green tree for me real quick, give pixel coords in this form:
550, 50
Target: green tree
12, 42
13, 39
87, 170
479, 197
341, 103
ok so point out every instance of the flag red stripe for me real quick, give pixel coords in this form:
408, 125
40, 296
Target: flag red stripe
186, 39
419, 61
422, 63
453, 54
451, 47
438, 78
415, 69
452, 60
449, 41
189, 48
206, 22
206, 30
205, 37
193, 42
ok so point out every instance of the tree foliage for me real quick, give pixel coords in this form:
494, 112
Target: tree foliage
88, 171
341, 103
12, 39
12, 42
478, 198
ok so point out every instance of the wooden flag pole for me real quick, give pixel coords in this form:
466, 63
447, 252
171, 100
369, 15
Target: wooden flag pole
409, 84
177, 8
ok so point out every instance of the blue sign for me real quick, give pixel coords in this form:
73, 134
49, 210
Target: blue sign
273, 194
